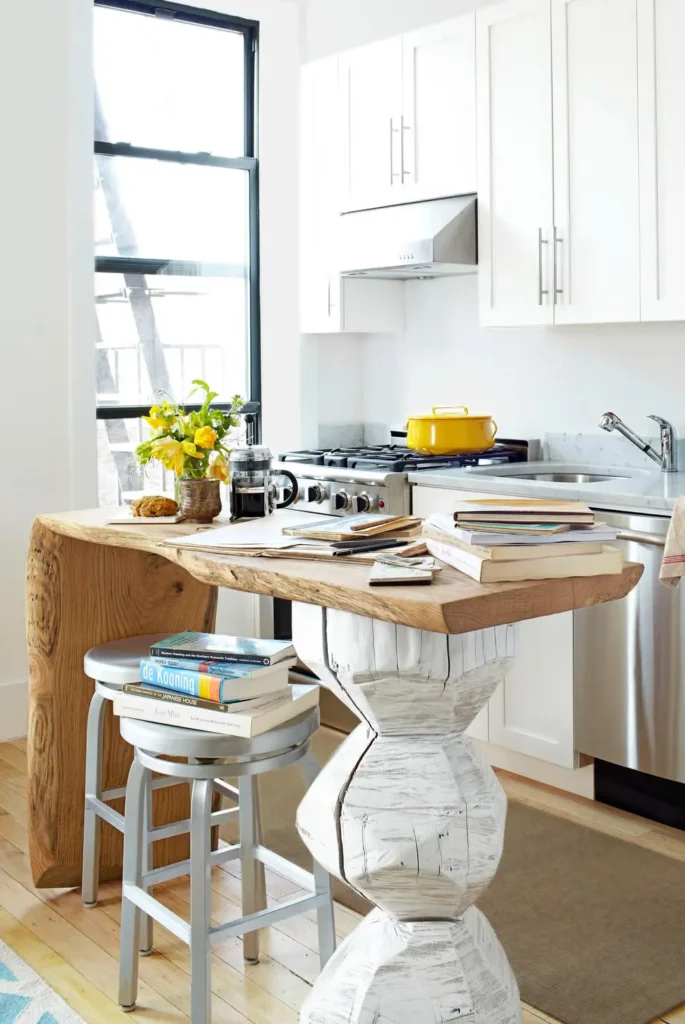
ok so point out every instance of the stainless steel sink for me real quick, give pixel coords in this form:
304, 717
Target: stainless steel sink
567, 478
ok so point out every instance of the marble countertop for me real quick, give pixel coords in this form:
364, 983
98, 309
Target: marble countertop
631, 490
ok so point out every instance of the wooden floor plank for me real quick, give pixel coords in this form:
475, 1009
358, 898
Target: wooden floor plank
13, 755
69, 983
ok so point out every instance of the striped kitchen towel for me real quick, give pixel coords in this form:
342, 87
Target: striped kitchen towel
673, 564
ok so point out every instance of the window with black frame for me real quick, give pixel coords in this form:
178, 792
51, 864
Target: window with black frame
176, 220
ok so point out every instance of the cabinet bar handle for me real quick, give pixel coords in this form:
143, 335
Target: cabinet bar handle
403, 128
558, 241
393, 173
542, 291
641, 538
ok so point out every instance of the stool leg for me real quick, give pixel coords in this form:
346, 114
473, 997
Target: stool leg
91, 820
325, 916
251, 869
146, 923
200, 902
138, 782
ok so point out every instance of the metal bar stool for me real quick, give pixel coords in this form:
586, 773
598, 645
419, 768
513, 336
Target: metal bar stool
211, 759
111, 665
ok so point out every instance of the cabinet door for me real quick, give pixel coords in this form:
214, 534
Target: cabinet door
596, 177
438, 122
320, 306
532, 711
515, 175
661, 44
371, 94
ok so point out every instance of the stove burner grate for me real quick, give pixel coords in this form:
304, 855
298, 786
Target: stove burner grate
398, 459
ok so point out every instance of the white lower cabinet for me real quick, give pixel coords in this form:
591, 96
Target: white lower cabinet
531, 713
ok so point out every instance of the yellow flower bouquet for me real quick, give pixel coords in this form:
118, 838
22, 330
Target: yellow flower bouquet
192, 444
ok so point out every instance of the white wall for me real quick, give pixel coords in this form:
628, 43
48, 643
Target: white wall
533, 380
334, 25
46, 260
46, 305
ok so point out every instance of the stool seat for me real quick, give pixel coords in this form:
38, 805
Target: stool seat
118, 662
172, 741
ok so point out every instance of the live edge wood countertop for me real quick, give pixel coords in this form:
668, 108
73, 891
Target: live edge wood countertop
89, 583
453, 603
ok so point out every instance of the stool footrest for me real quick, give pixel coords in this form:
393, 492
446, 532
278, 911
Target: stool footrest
293, 872
231, 792
104, 811
120, 792
182, 867
250, 923
153, 908
264, 918
178, 828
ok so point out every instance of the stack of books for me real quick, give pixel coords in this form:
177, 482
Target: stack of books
505, 540
226, 684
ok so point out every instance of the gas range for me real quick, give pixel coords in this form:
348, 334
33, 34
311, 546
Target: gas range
342, 481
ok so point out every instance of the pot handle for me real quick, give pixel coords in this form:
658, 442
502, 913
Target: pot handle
445, 410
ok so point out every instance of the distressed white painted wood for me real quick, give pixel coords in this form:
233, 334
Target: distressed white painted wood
418, 972
411, 815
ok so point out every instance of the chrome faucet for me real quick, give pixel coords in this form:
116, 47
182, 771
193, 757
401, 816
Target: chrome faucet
668, 460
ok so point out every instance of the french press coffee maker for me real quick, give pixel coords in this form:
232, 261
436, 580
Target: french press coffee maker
253, 490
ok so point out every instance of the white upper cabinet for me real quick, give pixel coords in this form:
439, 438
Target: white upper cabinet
409, 117
596, 163
371, 94
319, 198
661, 43
330, 304
438, 121
515, 198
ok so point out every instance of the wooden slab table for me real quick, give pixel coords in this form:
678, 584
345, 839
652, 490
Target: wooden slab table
407, 812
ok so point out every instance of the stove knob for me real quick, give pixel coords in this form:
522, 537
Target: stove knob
364, 502
342, 501
315, 492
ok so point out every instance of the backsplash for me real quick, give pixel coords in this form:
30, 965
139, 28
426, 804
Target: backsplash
603, 450
535, 381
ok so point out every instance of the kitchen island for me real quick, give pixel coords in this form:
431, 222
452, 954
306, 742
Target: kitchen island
406, 811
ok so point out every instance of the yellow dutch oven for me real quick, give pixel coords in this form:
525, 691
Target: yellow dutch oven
450, 430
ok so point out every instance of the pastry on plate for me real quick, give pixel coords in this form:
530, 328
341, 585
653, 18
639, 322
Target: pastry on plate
153, 505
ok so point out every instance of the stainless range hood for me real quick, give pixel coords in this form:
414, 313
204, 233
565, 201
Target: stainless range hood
436, 238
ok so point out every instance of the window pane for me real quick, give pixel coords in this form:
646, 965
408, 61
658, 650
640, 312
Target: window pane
158, 332
167, 84
161, 210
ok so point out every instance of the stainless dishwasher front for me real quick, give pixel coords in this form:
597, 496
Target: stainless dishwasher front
629, 663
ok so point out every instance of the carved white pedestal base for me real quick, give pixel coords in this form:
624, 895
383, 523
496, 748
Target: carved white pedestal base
410, 815
437, 971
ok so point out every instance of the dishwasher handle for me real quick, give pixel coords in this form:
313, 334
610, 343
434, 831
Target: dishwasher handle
641, 538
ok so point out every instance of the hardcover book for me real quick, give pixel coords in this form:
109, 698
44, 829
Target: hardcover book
252, 719
608, 562
187, 700
215, 647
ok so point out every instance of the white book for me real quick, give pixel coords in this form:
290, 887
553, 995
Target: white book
600, 532
261, 715
608, 562
510, 552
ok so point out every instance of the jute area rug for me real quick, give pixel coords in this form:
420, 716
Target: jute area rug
594, 927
